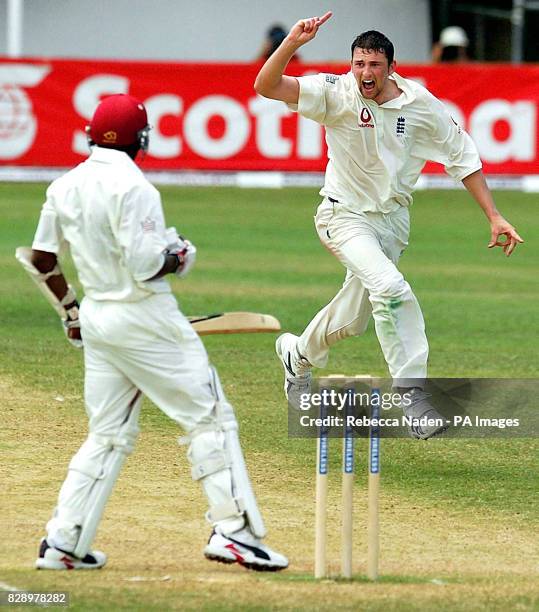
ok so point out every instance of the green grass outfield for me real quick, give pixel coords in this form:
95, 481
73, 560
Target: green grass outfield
459, 518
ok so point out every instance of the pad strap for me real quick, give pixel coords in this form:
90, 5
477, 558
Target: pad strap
69, 515
210, 465
231, 509
69, 297
187, 439
125, 444
56, 271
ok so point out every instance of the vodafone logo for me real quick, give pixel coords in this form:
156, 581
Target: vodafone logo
18, 124
365, 118
365, 115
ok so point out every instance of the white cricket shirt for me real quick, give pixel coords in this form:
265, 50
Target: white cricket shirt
376, 152
113, 221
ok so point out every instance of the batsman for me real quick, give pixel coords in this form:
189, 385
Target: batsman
380, 130
136, 342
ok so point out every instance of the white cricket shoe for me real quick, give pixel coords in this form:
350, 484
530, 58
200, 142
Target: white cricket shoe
419, 409
243, 548
297, 370
55, 559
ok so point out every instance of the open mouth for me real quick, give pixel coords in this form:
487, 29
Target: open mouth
368, 85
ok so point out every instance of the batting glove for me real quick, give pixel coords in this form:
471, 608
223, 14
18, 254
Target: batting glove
71, 325
186, 255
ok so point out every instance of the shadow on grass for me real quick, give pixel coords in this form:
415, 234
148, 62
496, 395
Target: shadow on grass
389, 579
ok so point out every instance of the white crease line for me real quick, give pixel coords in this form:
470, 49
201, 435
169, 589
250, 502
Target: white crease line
4, 586
7, 587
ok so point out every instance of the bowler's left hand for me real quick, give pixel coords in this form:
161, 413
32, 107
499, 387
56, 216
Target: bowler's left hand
500, 227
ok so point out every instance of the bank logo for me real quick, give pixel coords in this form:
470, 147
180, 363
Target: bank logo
18, 124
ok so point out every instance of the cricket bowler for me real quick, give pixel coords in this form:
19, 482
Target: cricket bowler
380, 130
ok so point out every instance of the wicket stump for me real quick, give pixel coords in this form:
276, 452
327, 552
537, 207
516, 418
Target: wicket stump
322, 470
373, 526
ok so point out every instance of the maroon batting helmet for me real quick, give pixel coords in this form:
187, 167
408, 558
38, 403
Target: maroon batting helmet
119, 121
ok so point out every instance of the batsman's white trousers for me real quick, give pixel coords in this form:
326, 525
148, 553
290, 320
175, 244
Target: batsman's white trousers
132, 347
369, 246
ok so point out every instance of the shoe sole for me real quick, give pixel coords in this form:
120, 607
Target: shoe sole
225, 560
247, 565
257, 567
432, 435
43, 564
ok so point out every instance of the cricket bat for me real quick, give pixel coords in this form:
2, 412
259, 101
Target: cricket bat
234, 323
219, 323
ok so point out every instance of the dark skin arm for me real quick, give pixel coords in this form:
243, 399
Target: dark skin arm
45, 262
169, 267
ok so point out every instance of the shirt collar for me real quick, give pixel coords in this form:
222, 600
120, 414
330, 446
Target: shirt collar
406, 96
111, 156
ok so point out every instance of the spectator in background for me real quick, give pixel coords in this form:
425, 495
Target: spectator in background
274, 37
452, 46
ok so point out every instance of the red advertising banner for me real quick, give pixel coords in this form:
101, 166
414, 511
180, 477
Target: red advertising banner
207, 116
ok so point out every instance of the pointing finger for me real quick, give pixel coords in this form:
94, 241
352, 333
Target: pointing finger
324, 18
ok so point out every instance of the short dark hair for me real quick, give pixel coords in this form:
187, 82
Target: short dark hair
450, 54
375, 41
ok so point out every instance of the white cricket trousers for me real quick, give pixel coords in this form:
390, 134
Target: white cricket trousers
369, 246
134, 348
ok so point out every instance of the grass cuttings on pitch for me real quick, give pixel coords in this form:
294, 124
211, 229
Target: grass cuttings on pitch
458, 518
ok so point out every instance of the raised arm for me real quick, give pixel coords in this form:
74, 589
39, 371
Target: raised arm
270, 81
499, 227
